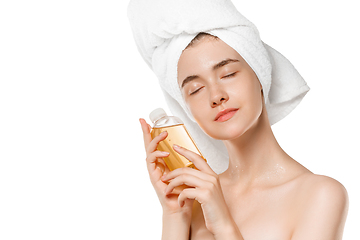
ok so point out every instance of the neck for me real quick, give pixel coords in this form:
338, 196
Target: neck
256, 155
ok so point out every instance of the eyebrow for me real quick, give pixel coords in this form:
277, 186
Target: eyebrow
215, 67
223, 63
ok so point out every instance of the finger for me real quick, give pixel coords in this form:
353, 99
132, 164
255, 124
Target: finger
146, 132
200, 195
160, 166
189, 171
188, 193
185, 179
152, 158
155, 142
164, 168
196, 159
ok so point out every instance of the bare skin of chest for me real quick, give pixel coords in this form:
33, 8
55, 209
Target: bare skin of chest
268, 213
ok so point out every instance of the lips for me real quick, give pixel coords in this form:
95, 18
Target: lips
225, 114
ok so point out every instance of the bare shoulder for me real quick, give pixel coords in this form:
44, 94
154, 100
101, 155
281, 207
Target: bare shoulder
310, 186
323, 206
323, 187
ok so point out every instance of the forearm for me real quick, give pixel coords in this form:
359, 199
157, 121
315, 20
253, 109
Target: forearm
229, 232
175, 227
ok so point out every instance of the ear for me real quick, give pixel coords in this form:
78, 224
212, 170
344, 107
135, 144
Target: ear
262, 96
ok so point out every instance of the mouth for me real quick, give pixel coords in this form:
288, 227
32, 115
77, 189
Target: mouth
225, 114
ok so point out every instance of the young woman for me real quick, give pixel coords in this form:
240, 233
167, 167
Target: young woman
264, 193
229, 87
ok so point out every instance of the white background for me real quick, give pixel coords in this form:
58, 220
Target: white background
73, 86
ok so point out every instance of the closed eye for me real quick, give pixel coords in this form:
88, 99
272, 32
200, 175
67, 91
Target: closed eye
230, 75
195, 91
227, 76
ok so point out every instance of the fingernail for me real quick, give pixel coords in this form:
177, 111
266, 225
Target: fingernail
165, 153
161, 134
176, 146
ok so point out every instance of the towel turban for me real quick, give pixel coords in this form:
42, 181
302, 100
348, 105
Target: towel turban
163, 28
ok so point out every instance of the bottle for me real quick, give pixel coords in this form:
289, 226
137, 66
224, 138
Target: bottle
177, 134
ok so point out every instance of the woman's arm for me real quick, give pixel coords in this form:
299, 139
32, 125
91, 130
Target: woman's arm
175, 226
203, 186
324, 211
176, 219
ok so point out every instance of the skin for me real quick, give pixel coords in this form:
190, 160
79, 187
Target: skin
264, 194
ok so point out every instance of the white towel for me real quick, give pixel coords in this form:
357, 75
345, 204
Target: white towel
163, 28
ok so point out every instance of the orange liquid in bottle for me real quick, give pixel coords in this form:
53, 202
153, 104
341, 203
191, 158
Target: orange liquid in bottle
178, 135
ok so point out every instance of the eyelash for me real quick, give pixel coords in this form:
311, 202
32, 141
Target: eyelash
195, 91
230, 75
227, 76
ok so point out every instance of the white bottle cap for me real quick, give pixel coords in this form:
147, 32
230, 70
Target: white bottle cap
157, 114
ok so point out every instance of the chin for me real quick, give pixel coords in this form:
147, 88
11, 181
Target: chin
224, 131
233, 133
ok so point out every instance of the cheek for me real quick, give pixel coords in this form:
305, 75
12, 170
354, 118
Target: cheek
248, 91
196, 108
252, 101
201, 114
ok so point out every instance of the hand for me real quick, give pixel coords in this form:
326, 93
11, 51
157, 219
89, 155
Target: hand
156, 168
204, 186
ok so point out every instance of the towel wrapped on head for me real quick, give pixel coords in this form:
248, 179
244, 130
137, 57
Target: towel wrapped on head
162, 29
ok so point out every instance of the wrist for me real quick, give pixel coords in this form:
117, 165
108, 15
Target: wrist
176, 216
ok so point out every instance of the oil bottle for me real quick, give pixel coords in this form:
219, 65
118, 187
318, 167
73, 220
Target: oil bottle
177, 134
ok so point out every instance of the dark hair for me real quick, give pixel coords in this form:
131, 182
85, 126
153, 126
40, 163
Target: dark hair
199, 37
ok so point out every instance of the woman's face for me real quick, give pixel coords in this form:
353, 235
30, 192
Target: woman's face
213, 77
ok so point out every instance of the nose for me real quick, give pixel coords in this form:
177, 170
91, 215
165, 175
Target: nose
218, 96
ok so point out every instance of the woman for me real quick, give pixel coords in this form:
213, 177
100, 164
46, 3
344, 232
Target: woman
264, 193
